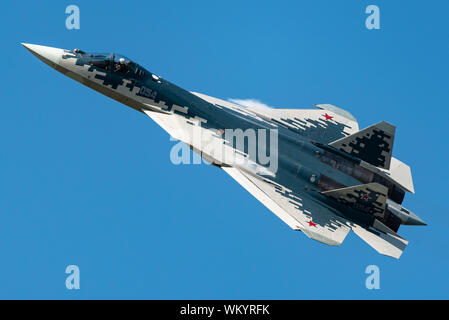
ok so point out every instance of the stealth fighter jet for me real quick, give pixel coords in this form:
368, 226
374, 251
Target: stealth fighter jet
313, 168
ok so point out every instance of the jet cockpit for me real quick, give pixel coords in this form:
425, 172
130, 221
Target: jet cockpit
113, 62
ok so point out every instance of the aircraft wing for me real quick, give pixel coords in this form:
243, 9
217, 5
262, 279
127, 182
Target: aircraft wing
318, 222
325, 124
297, 210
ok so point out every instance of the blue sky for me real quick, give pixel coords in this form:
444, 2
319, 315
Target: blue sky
87, 181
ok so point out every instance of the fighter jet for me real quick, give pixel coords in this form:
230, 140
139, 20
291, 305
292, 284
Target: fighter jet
313, 167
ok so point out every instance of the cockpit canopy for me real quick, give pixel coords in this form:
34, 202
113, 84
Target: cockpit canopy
113, 62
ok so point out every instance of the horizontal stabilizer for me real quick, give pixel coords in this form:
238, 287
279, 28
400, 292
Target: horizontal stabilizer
401, 173
369, 198
373, 144
382, 239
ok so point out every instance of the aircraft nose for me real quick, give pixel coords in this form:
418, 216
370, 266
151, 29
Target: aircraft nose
49, 55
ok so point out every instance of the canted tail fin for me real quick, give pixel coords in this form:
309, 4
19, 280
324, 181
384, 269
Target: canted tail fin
373, 144
369, 198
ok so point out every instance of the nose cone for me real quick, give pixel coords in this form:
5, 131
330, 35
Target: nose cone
49, 55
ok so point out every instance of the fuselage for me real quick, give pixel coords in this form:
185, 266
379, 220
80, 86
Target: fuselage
302, 163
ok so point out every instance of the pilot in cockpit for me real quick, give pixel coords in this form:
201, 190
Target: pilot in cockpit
121, 66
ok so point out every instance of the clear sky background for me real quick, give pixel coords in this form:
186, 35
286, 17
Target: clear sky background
85, 180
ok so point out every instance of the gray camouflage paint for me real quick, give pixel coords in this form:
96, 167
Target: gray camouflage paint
305, 175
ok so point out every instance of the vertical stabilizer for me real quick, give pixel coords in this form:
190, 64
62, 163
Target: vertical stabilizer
373, 144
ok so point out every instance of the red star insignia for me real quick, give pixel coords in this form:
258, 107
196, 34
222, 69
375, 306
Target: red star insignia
311, 224
327, 117
365, 197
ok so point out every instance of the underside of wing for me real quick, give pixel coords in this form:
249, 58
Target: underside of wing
318, 222
298, 211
